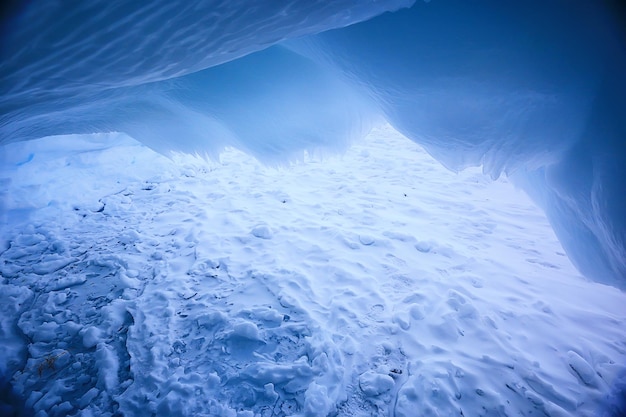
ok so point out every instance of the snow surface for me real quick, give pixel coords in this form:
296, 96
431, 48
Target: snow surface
373, 284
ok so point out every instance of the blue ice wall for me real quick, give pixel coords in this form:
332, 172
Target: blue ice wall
59, 48
535, 89
273, 104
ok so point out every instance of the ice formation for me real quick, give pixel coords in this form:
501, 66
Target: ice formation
534, 89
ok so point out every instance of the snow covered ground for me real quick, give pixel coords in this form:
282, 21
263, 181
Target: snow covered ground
372, 284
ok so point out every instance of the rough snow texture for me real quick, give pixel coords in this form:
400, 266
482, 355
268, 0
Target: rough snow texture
388, 287
534, 88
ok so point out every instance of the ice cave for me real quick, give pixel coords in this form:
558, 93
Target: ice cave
313, 208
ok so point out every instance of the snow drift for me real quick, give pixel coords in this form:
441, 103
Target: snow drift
357, 286
533, 89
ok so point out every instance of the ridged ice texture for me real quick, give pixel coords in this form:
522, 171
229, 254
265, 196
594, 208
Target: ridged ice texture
535, 89
50, 47
101, 65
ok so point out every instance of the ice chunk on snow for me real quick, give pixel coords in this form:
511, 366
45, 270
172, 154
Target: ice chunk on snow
265, 372
581, 368
373, 383
51, 263
45, 332
316, 401
366, 240
262, 232
91, 336
108, 366
246, 330
88, 397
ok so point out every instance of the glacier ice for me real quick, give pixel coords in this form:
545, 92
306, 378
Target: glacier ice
532, 89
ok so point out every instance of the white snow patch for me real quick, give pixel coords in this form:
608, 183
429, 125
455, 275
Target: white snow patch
422, 292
